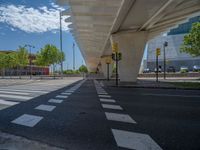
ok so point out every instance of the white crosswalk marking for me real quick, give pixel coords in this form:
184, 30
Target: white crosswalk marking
10, 103
17, 93
14, 94
24, 90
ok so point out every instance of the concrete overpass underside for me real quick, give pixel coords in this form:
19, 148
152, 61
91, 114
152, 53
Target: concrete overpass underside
130, 23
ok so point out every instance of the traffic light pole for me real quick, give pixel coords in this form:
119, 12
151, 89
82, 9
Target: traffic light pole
164, 65
116, 56
156, 68
164, 55
108, 71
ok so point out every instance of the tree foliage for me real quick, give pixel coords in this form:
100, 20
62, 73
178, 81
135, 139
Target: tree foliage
22, 56
49, 55
83, 69
191, 43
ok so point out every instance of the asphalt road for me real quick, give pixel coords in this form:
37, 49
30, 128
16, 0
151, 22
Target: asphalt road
92, 117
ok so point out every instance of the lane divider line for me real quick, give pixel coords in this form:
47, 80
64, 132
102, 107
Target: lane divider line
119, 117
133, 140
27, 120
45, 107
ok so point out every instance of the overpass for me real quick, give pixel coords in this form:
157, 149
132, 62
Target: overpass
129, 23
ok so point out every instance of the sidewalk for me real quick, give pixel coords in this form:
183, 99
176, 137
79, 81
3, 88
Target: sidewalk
151, 83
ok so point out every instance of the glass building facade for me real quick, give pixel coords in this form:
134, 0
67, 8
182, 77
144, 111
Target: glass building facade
185, 27
173, 55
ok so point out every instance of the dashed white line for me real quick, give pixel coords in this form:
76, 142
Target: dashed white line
45, 107
108, 106
119, 117
107, 100
105, 96
61, 96
27, 120
55, 101
66, 93
133, 140
102, 93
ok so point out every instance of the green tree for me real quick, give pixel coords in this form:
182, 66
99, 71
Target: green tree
191, 43
22, 58
83, 69
49, 55
10, 61
61, 57
2, 64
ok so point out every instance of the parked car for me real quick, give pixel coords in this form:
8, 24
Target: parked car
184, 69
171, 69
196, 68
147, 70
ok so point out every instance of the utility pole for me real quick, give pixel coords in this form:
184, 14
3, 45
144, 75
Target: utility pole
30, 58
61, 42
164, 59
74, 56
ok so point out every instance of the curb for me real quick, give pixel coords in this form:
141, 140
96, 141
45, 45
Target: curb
150, 87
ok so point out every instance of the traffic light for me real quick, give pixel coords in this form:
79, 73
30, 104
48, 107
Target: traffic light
113, 56
119, 57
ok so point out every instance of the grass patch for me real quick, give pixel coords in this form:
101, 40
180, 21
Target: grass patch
195, 85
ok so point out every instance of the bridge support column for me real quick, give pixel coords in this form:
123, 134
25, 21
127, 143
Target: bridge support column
106, 66
131, 45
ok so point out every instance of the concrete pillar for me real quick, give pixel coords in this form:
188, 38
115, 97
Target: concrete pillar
104, 66
131, 45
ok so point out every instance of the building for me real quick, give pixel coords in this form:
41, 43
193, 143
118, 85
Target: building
27, 70
173, 55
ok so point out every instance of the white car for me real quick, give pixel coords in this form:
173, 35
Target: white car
184, 69
196, 68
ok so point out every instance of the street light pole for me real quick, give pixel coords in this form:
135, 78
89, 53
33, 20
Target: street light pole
30, 56
164, 59
73, 56
61, 42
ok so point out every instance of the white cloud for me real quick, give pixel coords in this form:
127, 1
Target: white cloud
32, 20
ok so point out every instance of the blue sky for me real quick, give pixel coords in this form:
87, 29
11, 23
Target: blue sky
35, 22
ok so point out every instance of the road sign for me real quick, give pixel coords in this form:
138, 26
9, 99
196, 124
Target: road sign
115, 47
108, 60
158, 52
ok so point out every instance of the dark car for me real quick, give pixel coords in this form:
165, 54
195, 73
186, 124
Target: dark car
171, 69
